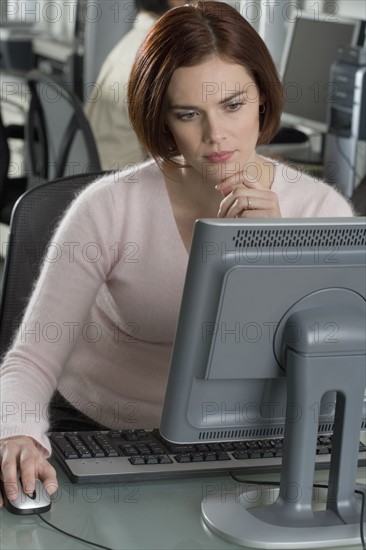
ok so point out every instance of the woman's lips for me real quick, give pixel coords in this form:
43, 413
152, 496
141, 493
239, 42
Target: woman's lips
223, 156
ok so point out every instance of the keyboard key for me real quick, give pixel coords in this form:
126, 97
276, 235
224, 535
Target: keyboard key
215, 447
113, 434
268, 453
137, 460
202, 448
241, 455
142, 449
152, 460
323, 450
142, 434
111, 452
183, 458
156, 449
255, 454
223, 456
164, 459
128, 450
67, 450
197, 457
227, 447
129, 435
239, 446
210, 457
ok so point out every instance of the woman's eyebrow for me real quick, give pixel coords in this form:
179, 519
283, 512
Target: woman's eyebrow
225, 100
176, 106
232, 96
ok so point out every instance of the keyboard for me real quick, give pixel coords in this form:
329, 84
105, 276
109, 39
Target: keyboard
137, 455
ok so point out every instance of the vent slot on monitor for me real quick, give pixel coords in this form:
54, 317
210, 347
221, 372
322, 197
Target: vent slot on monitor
265, 432
273, 237
247, 433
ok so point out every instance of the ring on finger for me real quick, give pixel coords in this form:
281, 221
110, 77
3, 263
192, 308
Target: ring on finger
249, 204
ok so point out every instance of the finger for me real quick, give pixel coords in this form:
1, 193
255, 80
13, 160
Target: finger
259, 214
240, 179
229, 200
28, 482
9, 471
226, 204
248, 204
11, 489
238, 199
29, 456
226, 187
47, 474
254, 183
262, 209
242, 190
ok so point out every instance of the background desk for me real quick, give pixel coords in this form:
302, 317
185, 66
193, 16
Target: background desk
134, 516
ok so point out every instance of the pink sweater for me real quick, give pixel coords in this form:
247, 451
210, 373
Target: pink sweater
102, 317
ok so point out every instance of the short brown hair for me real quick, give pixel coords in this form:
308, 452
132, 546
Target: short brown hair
187, 36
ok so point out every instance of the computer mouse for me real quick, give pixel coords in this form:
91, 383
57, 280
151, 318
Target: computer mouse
36, 503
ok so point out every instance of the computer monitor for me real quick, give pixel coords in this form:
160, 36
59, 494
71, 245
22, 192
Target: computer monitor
270, 341
310, 49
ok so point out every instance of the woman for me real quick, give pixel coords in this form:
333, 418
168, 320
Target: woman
203, 94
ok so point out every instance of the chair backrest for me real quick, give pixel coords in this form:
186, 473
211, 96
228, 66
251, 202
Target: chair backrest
11, 186
33, 222
4, 157
59, 140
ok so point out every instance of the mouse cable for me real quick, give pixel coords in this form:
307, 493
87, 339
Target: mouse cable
315, 485
73, 536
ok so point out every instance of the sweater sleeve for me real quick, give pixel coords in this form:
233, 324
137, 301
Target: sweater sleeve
77, 263
335, 205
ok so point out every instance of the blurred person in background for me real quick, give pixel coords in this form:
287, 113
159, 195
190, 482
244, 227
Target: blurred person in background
106, 108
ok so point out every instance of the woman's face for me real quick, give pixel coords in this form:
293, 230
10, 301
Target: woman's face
213, 115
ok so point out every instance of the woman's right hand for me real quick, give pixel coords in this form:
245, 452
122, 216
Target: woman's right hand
21, 457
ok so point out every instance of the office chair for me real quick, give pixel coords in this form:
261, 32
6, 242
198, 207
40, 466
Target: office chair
32, 224
10, 188
59, 140
358, 198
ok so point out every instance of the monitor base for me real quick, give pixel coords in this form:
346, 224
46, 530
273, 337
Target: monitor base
236, 520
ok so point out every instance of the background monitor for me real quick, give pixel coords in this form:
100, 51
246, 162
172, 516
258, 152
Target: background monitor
256, 293
310, 49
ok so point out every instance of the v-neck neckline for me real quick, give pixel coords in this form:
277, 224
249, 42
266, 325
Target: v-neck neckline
173, 221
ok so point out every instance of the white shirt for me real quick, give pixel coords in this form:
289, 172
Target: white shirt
106, 108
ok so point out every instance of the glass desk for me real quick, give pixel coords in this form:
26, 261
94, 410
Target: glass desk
151, 515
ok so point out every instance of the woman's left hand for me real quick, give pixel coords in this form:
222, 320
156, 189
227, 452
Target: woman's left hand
248, 199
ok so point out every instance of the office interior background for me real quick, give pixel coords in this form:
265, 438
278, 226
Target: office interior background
69, 40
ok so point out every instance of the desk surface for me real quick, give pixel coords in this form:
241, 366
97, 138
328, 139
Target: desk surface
148, 515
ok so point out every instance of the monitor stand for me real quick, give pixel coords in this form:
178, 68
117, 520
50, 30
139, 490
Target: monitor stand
316, 364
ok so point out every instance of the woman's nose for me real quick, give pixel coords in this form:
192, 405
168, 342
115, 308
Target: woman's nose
213, 130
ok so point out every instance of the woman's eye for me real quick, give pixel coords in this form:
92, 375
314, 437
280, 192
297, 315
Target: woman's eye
235, 106
186, 116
